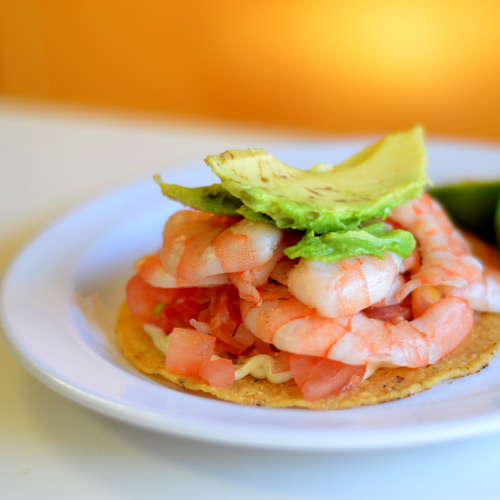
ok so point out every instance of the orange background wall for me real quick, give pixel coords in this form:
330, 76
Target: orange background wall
327, 66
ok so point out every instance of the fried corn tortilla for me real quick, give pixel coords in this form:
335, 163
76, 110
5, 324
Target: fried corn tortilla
386, 384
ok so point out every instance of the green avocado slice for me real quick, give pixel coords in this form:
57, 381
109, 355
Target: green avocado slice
327, 198
213, 199
372, 239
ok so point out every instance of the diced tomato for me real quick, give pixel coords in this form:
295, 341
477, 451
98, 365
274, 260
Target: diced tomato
142, 304
330, 377
301, 367
260, 347
282, 362
223, 316
263, 347
320, 378
244, 336
187, 350
218, 372
166, 308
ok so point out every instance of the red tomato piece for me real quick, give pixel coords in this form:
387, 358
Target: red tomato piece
331, 377
142, 304
187, 350
282, 362
218, 372
166, 308
263, 347
320, 378
244, 336
301, 367
223, 316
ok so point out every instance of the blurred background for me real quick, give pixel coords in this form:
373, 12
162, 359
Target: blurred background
327, 67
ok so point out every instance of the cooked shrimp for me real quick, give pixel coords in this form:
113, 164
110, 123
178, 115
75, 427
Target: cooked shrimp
390, 298
247, 281
201, 249
150, 268
412, 262
197, 244
344, 287
357, 340
282, 269
482, 295
446, 255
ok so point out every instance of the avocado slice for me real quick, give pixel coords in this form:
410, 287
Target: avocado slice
372, 239
326, 197
213, 199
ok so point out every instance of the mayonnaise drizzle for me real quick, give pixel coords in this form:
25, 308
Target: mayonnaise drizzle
160, 340
371, 368
259, 366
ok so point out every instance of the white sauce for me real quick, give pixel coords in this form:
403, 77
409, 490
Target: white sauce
160, 340
261, 366
371, 368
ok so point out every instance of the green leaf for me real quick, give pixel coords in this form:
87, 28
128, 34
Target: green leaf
158, 309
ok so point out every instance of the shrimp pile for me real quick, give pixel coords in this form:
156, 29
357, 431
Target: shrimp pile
205, 250
357, 314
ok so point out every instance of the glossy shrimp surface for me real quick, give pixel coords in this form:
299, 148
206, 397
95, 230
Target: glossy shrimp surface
344, 287
446, 257
357, 339
151, 269
483, 294
201, 249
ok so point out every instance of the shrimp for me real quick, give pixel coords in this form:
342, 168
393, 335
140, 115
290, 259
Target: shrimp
411, 263
248, 280
282, 269
446, 255
483, 294
390, 298
201, 249
357, 339
344, 287
151, 269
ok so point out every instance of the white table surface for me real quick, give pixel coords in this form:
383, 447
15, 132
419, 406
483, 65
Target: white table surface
53, 448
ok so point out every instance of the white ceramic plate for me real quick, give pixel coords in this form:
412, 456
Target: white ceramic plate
61, 295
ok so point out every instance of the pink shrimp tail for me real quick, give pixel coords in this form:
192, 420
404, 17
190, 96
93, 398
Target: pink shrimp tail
245, 282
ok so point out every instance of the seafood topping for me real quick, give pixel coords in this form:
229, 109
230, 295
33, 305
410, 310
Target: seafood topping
237, 302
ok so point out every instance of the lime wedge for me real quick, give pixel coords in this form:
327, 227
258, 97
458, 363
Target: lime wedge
473, 206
